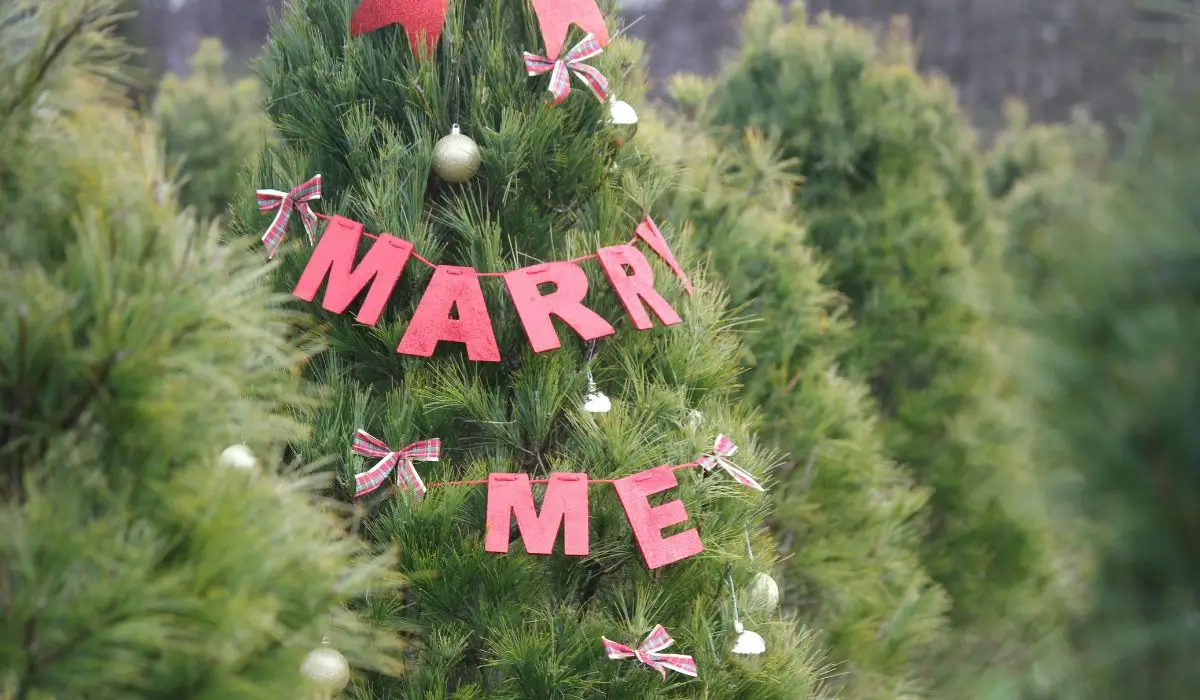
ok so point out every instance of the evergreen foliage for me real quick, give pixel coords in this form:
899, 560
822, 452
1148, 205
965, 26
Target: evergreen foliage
211, 125
133, 349
895, 207
1111, 372
847, 518
1040, 176
364, 113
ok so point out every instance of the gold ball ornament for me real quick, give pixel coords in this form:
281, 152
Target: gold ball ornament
622, 121
456, 157
326, 668
764, 592
238, 457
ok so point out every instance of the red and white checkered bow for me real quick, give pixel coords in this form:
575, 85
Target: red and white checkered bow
560, 70
648, 654
400, 461
723, 448
285, 202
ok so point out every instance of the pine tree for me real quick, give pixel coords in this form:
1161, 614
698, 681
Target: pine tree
210, 124
133, 349
1112, 375
895, 207
1041, 175
365, 113
846, 517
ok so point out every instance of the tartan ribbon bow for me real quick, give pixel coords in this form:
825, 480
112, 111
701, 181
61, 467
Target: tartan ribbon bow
723, 448
400, 461
648, 654
298, 199
573, 62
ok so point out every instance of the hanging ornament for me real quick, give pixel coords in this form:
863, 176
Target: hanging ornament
764, 592
238, 457
326, 668
456, 156
622, 121
595, 401
426, 18
747, 643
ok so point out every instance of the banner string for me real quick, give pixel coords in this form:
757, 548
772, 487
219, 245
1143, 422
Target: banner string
432, 265
483, 482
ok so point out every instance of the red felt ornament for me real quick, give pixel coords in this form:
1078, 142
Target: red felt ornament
648, 521
555, 18
633, 280
565, 302
648, 232
427, 17
565, 504
420, 18
452, 288
333, 260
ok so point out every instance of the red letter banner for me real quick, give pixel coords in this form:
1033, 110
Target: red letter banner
636, 287
452, 288
647, 522
565, 502
566, 302
648, 232
334, 259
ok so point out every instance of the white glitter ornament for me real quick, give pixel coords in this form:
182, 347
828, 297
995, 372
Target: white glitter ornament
326, 668
764, 592
238, 457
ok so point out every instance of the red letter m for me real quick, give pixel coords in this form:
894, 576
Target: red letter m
333, 258
565, 502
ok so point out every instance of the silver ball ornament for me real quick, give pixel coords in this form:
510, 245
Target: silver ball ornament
622, 121
238, 457
456, 156
326, 668
764, 592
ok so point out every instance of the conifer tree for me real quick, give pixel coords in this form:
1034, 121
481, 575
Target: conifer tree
365, 111
847, 518
894, 205
210, 124
1114, 374
133, 350
1041, 175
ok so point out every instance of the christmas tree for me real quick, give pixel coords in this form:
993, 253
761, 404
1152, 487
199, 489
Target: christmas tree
461, 207
139, 557
848, 518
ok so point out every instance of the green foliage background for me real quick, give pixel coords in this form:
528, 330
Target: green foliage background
130, 565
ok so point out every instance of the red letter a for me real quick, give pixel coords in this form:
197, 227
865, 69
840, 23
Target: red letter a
334, 258
566, 302
565, 502
452, 288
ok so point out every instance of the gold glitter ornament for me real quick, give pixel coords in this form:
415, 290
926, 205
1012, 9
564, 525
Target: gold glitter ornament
622, 121
326, 668
456, 157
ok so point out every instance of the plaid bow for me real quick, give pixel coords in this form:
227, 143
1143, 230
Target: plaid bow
401, 461
572, 62
648, 654
285, 202
723, 448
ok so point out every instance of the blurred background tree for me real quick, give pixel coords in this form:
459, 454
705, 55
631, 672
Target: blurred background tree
211, 125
